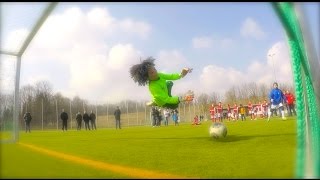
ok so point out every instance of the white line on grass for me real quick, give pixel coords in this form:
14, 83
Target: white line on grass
130, 171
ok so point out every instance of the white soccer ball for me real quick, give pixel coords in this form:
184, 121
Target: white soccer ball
218, 130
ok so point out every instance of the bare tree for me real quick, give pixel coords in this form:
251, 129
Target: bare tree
203, 100
6, 109
77, 104
214, 98
253, 92
43, 104
263, 92
230, 96
242, 92
27, 95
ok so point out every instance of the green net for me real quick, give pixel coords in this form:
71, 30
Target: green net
308, 109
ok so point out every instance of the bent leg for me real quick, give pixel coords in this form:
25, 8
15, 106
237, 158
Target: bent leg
169, 86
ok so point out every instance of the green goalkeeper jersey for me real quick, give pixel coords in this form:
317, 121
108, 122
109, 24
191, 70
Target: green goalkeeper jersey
159, 91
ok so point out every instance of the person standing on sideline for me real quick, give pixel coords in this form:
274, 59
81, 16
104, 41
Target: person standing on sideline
93, 120
117, 116
166, 114
27, 119
276, 98
155, 116
86, 119
64, 117
175, 117
79, 120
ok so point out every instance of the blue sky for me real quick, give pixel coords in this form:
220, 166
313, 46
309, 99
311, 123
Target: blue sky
86, 49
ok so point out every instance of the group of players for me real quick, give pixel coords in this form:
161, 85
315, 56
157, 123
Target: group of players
278, 102
217, 112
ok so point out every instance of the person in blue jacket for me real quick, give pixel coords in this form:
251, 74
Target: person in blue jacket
277, 98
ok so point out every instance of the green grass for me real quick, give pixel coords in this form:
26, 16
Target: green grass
252, 149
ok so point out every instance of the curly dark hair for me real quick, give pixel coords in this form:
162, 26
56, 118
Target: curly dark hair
139, 72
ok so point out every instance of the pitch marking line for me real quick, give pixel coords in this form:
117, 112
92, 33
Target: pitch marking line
130, 171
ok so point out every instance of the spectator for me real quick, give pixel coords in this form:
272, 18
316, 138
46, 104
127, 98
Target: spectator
79, 120
86, 119
175, 117
160, 118
27, 119
201, 118
64, 117
166, 114
117, 116
93, 120
155, 116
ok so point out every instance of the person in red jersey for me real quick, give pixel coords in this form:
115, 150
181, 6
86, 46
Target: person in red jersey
265, 108
219, 112
290, 102
255, 111
250, 109
196, 120
212, 110
235, 111
259, 110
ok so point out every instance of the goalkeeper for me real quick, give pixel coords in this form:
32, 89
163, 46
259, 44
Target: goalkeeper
159, 84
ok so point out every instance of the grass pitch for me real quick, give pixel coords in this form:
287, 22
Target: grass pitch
251, 149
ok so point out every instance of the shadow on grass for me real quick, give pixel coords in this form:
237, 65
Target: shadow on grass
228, 138
233, 138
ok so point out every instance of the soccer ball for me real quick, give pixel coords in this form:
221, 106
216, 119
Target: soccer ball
218, 130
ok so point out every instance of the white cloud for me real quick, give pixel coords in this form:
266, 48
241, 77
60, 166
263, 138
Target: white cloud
171, 60
210, 42
100, 17
75, 45
280, 62
7, 73
250, 28
121, 56
13, 42
218, 79
138, 27
32, 80
202, 42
